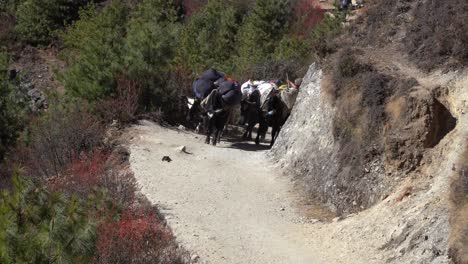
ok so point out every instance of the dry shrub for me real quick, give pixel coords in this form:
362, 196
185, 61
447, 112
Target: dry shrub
458, 241
56, 139
395, 108
6, 30
139, 236
438, 34
435, 32
360, 94
124, 105
346, 67
174, 111
307, 14
97, 170
191, 6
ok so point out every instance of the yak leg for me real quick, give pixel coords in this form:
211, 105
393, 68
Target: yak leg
249, 136
257, 139
210, 127
274, 132
219, 134
260, 131
244, 136
215, 137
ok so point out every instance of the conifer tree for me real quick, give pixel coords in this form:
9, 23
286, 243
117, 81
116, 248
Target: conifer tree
262, 31
39, 226
150, 48
38, 20
209, 38
9, 110
94, 50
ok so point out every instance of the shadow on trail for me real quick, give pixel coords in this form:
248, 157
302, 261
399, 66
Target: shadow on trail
246, 146
236, 142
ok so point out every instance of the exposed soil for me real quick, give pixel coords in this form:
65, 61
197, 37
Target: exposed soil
228, 204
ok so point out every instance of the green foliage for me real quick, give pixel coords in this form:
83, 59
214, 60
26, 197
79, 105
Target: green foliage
150, 47
320, 36
290, 48
38, 20
263, 29
39, 226
94, 51
10, 112
10, 6
209, 39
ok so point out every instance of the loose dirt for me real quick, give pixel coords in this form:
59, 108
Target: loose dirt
228, 204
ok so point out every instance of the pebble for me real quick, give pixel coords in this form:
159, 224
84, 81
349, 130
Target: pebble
182, 149
195, 258
336, 219
313, 221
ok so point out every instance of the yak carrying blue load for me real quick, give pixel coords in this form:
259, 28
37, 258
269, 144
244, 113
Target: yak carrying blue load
230, 92
203, 86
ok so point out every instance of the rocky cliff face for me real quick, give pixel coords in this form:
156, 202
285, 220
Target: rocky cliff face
367, 119
402, 176
351, 150
380, 130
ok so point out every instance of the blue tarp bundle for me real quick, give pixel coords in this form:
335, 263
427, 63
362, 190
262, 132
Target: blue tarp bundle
203, 86
231, 92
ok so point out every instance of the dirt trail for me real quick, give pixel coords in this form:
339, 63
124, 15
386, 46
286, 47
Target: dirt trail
227, 203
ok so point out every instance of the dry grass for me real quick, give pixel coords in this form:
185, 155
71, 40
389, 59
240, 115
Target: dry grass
437, 36
395, 108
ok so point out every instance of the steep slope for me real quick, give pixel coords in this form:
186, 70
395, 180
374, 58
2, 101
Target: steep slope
378, 127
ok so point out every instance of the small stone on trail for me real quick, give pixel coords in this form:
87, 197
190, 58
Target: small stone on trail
314, 221
350, 215
336, 219
182, 149
282, 209
181, 127
166, 158
195, 258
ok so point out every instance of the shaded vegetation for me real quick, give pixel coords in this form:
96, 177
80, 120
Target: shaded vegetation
10, 111
39, 20
39, 226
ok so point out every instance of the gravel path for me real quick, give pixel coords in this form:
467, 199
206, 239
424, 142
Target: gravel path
226, 203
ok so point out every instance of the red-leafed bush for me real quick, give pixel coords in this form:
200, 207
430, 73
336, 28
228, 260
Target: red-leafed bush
98, 170
191, 6
139, 236
82, 174
56, 138
307, 14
